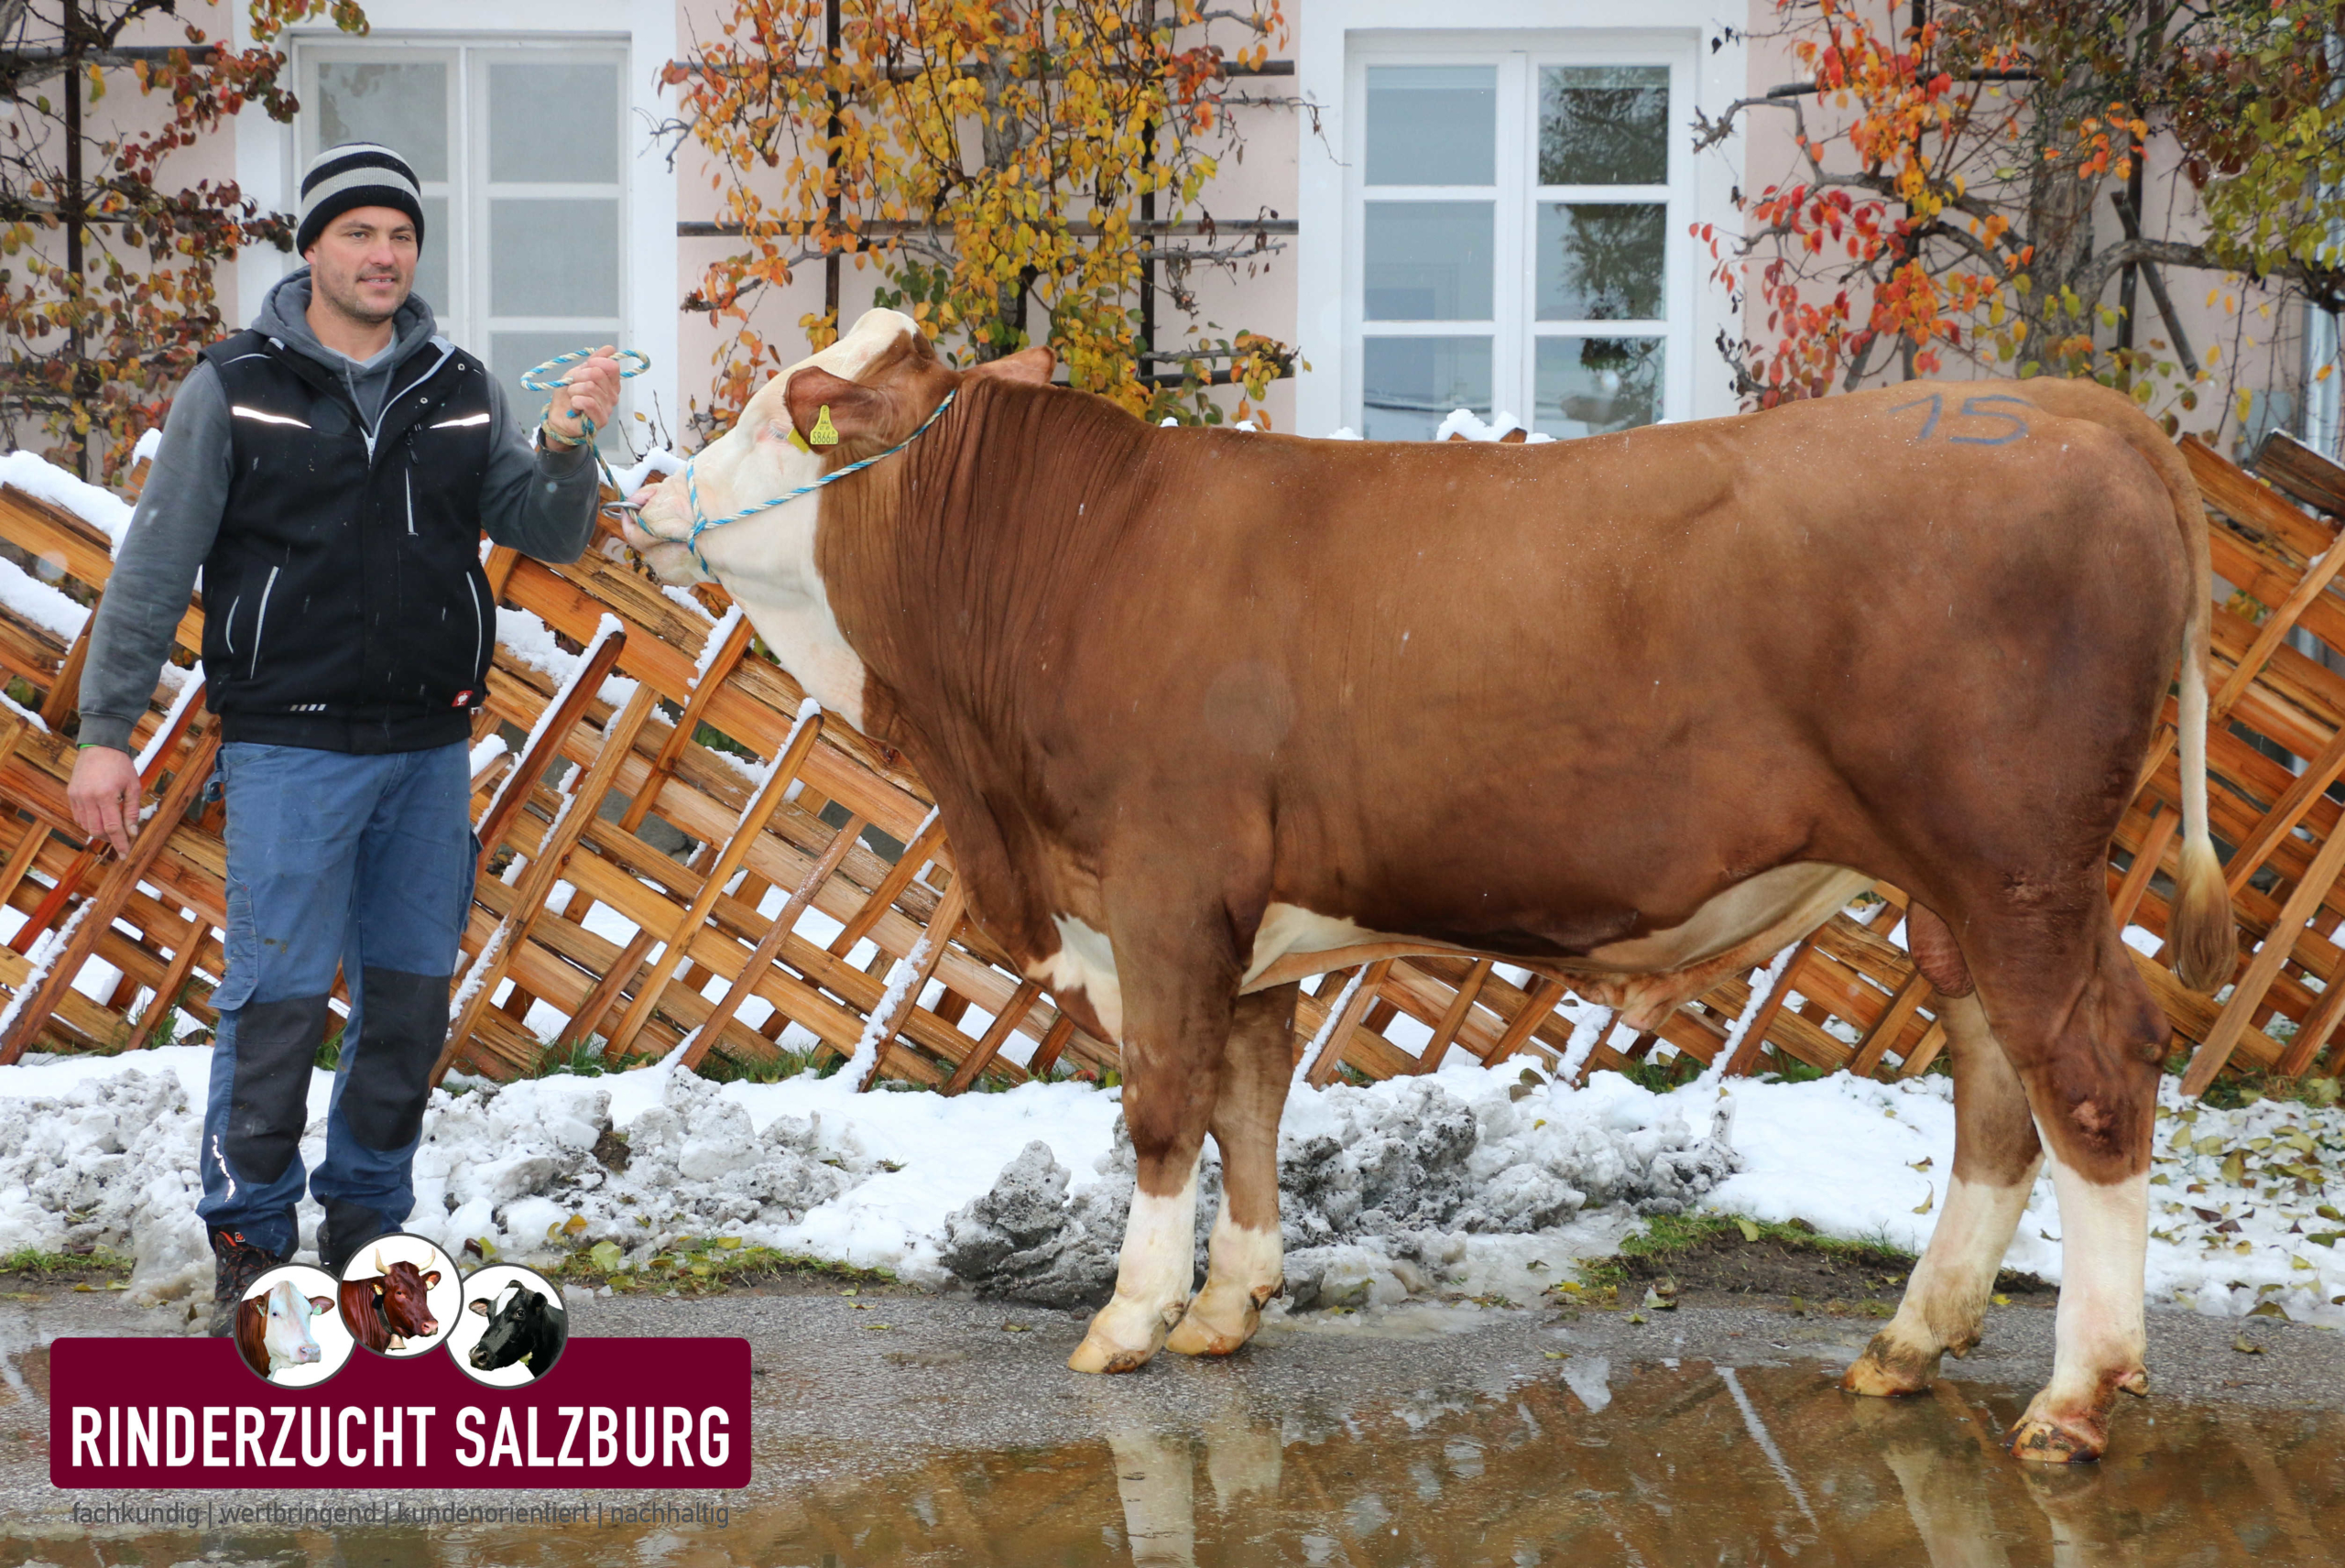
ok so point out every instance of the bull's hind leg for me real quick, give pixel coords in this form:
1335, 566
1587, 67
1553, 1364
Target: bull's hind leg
1996, 1154
2086, 1038
1243, 1271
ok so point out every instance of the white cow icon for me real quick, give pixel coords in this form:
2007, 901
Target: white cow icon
273, 1329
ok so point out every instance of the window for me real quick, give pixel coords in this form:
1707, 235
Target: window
520, 151
1520, 224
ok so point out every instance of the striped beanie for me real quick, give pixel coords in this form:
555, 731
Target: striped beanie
355, 174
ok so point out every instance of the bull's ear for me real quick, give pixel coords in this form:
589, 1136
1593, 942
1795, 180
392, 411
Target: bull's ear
1031, 365
855, 410
377, 1283
320, 1304
480, 1306
431, 1280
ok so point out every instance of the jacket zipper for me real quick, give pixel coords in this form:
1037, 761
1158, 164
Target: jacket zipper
260, 620
375, 429
410, 506
477, 631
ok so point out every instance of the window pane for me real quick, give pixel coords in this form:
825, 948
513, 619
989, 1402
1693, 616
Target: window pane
431, 261
1600, 263
557, 122
549, 257
1433, 124
1411, 385
1588, 386
510, 354
1606, 125
1429, 261
405, 107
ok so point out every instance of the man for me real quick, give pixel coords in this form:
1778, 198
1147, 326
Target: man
330, 470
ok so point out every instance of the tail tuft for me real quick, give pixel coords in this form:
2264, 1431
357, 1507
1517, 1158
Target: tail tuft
2201, 931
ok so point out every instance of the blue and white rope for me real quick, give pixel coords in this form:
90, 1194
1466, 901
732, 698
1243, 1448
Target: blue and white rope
536, 379
701, 525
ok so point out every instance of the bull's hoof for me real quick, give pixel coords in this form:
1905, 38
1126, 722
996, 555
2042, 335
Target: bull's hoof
2043, 1438
1890, 1370
1219, 1322
1096, 1355
1123, 1337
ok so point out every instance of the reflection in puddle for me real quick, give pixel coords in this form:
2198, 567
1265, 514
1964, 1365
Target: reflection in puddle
1653, 1464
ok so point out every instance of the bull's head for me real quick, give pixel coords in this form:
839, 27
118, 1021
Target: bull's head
873, 387
399, 1293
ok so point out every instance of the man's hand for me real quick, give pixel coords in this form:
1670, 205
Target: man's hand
592, 389
104, 795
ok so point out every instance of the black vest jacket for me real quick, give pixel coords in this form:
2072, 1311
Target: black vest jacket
344, 604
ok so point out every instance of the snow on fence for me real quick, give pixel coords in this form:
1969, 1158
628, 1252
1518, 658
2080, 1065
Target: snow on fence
788, 888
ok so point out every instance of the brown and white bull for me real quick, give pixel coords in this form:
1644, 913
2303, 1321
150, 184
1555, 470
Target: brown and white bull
1206, 712
273, 1329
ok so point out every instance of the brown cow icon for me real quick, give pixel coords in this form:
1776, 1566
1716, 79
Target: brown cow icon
390, 1309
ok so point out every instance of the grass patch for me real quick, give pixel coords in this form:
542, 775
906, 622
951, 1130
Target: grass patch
718, 1068
1666, 1236
1659, 1075
83, 1270
585, 1058
1732, 1255
695, 1266
2234, 1090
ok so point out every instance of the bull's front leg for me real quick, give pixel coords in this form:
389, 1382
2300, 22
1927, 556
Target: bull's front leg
1245, 1266
1177, 1004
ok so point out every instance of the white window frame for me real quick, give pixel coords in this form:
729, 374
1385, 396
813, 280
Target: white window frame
269, 158
1339, 39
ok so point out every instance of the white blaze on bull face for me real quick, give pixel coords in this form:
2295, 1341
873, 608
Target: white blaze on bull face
285, 1327
767, 561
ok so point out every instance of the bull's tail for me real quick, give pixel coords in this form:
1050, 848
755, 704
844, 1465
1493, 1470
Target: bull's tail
2201, 932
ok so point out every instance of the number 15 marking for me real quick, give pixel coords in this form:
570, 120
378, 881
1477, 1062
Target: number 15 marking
1972, 408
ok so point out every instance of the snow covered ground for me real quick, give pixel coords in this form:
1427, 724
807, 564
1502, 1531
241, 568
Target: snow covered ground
1474, 1178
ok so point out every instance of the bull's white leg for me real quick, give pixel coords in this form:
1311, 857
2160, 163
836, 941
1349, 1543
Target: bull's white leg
1944, 1305
2101, 1337
1996, 1155
1152, 1280
1246, 1258
1244, 1269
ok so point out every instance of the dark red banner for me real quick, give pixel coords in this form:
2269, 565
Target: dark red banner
611, 1412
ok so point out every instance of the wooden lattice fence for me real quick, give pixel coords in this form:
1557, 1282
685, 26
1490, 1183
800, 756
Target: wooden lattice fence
639, 887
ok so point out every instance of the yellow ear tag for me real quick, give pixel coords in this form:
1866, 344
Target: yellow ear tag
824, 433
798, 441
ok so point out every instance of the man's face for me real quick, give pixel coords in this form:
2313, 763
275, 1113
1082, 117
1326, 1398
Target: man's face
363, 263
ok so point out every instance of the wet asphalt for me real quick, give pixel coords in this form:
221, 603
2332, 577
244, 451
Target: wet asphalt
852, 1389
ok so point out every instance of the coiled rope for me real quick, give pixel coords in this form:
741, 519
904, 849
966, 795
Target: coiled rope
541, 378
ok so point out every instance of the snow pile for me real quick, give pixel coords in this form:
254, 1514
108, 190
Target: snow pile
513, 1165
109, 1163
2244, 1209
2236, 1196
1380, 1182
1470, 1174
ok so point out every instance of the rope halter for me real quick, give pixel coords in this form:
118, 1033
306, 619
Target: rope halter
702, 524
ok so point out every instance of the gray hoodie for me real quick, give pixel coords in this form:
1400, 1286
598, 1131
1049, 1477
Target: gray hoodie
539, 502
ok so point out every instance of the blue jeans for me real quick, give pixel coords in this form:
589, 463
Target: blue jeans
333, 858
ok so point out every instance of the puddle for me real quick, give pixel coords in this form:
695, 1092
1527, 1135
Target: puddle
1652, 1462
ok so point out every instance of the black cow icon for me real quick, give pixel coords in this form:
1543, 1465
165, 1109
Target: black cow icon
526, 1328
